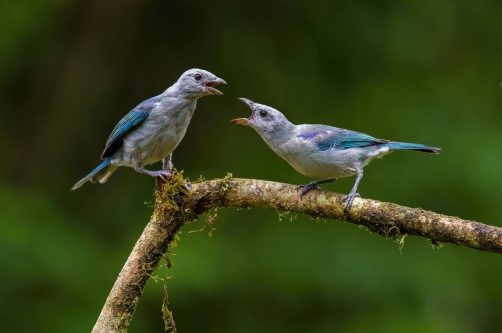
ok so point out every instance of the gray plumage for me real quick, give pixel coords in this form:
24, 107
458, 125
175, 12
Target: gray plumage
321, 151
152, 130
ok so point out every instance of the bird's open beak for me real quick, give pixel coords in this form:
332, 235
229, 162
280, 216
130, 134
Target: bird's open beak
240, 121
210, 84
245, 121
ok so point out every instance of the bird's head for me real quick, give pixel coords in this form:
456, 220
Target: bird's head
264, 119
199, 82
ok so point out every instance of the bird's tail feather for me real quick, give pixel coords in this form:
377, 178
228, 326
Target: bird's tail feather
413, 146
101, 174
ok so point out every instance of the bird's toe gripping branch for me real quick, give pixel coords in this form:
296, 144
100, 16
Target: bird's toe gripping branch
307, 188
174, 179
349, 198
313, 186
188, 186
160, 178
162, 174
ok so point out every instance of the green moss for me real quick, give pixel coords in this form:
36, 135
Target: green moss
226, 183
388, 230
473, 243
199, 180
286, 215
320, 219
391, 230
362, 227
167, 204
436, 244
209, 220
175, 240
168, 261
400, 242
167, 315
166, 201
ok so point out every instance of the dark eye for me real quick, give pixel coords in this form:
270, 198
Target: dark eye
263, 113
197, 76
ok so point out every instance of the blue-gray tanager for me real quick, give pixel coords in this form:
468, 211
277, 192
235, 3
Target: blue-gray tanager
321, 151
152, 130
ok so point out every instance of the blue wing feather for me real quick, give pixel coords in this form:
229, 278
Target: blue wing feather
327, 138
135, 117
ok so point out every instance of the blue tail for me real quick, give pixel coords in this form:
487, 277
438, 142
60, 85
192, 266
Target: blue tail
101, 173
413, 146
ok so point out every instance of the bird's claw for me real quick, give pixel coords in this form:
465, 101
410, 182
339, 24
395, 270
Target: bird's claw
188, 186
305, 185
162, 174
350, 199
356, 195
307, 188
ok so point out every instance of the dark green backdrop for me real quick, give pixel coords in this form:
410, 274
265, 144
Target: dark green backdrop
418, 71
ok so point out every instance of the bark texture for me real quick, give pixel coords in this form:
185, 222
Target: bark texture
174, 208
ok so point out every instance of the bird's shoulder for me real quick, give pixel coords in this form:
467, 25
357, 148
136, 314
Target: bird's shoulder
135, 117
328, 137
149, 103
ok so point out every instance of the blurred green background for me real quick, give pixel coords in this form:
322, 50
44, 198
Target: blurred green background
426, 72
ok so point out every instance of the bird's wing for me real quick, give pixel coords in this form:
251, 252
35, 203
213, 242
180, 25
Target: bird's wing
327, 138
135, 117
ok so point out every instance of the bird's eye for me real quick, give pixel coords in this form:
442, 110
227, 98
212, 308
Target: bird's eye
197, 76
263, 113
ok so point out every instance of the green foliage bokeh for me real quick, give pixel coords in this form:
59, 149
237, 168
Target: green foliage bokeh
426, 72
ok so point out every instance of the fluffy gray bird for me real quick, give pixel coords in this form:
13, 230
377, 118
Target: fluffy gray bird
321, 151
152, 130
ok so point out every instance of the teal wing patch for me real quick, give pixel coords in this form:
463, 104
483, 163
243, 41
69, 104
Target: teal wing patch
135, 117
328, 138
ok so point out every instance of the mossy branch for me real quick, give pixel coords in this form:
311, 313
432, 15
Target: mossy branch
173, 209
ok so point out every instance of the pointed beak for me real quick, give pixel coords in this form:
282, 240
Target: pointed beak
240, 121
220, 81
248, 102
245, 121
210, 84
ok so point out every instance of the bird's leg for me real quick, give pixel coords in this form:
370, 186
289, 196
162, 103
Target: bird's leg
313, 186
349, 198
167, 163
162, 174
168, 166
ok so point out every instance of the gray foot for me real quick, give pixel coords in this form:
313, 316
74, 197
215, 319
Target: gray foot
162, 174
350, 199
306, 188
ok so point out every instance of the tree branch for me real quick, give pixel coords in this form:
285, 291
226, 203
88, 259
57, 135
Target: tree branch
173, 209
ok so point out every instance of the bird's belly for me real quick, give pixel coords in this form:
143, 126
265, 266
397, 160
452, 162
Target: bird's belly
150, 143
159, 146
324, 170
325, 164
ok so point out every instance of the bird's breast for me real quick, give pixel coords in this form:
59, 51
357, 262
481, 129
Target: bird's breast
159, 135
